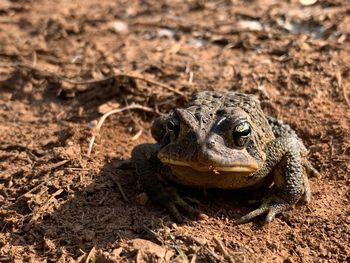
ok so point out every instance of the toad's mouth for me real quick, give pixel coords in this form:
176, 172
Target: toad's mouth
247, 167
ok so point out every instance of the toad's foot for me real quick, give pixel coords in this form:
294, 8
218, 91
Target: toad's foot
290, 180
150, 169
170, 199
272, 206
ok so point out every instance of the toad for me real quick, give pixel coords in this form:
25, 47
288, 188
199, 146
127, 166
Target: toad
224, 140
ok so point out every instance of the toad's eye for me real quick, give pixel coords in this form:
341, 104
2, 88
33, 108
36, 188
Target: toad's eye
241, 133
173, 127
172, 124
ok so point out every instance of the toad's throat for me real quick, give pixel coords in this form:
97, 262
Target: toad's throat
232, 168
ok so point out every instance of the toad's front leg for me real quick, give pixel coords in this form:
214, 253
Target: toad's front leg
285, 163
151, 171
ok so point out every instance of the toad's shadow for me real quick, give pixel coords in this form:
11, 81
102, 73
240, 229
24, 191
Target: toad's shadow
99, 216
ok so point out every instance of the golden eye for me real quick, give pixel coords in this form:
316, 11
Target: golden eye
241, 133
242, 129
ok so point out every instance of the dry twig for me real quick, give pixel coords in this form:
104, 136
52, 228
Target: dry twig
205, 246
56, 165
38, 212
49, 168
119, 187
137, 135
104, 117
90, 255
178, 249
153, 233
222, 249
45, 206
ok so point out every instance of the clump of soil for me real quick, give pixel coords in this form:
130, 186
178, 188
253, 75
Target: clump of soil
65, 63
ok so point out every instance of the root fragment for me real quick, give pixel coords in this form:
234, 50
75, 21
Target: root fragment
106, 115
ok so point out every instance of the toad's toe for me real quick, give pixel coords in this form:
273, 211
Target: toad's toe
272, 206
175, 204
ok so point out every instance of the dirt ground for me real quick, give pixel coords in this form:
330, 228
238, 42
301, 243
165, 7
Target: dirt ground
65, 63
